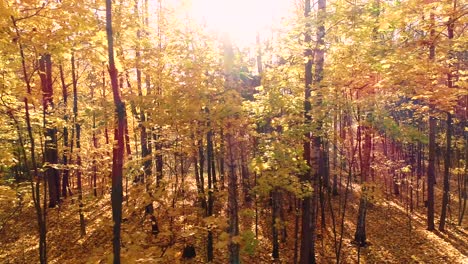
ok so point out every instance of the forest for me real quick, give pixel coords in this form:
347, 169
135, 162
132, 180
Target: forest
203, 131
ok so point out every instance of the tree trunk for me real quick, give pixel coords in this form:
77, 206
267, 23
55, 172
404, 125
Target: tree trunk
245, 175
35, 187
50, 152
232, 204
65, 171
335, 151
360, 234
145, 153
232, 143
210, 162
307, 252
198, 180
432, 147
312, 148
431, 174
78, 147
445, 197
274, 226
95, 146
118, 147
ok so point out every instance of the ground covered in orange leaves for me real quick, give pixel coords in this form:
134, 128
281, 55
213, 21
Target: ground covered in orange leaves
395, 234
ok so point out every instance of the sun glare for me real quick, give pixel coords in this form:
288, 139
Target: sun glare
241, 19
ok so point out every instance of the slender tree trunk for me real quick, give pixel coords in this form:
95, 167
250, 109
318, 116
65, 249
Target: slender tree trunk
297, 204
118, 147
233, 247
65, 171
431, 174
145, 150
312, 148
232, 204
463, 180
95, 146
432, 149
445, 197
159, 156
245, 175
221, 159
210, 162
35, 187
78, 147
335, 151
209, 243
307, 252
360, 234
201, 157
274, 227
50, 152
198, 180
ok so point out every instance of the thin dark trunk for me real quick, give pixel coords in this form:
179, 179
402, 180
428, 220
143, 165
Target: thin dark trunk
95, 146
431, 174
335, 152
312, 148
432, 145
35, 188
209, 210
274, 226
78, 147
232, 145
118, 148
145, 153
297, 204
245, 175
445, 197
50, 152
464, 178
210, 163
232, 204
66, 171
221, 160
200, 187
307, 253
360, 234
159, 156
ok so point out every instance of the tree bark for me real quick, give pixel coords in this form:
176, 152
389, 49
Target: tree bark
232, 204
78, 147
360, 234
118, 147
35, 187
445, 196
431, 174
65, 171
307, 251
432, 148
50, 133
274, 227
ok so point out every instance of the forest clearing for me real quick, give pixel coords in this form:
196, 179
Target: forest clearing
203, 131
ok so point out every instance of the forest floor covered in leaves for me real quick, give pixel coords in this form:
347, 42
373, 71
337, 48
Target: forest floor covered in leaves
394, 235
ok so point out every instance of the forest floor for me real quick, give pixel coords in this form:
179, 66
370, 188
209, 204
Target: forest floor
394, 234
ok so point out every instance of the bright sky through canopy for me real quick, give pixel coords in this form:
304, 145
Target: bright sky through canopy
240, 18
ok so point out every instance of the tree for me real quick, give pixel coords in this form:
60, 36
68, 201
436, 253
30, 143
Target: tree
35, 177
118, 147
448, 135
312, 146
50, 152
432, 143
